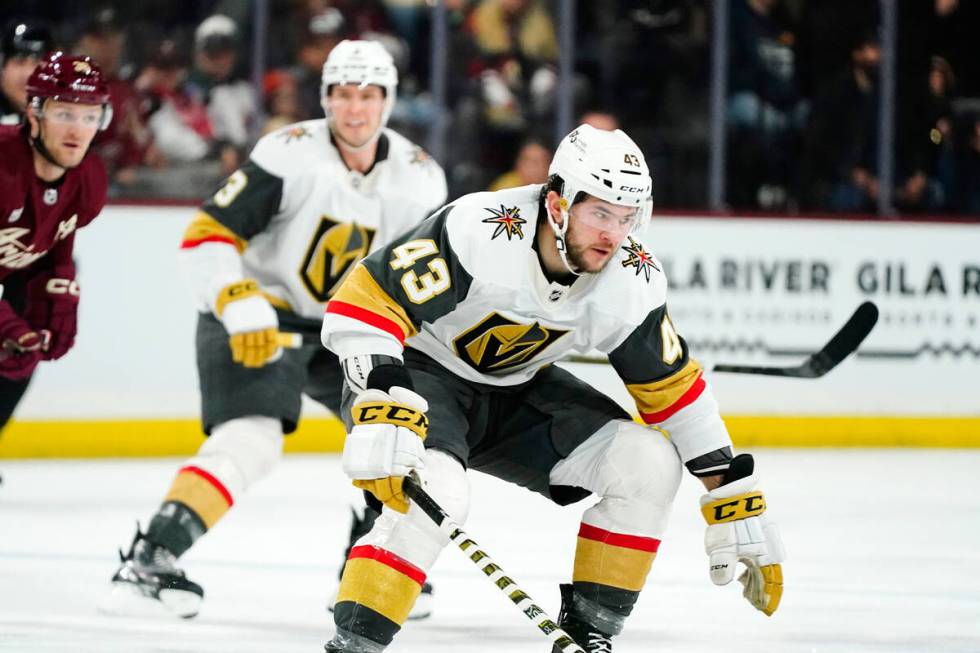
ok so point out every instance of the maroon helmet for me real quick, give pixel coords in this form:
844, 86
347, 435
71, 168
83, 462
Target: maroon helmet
68, 78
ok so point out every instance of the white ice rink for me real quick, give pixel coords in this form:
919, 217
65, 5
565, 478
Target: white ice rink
884, 550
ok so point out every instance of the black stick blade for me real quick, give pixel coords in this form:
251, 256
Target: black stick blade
844, 342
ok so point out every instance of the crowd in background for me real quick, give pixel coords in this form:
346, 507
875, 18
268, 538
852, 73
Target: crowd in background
802, 106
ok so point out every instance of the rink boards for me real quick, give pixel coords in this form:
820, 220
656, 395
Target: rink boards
763, 291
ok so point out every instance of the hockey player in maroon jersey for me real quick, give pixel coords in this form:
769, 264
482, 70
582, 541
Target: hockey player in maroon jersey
51, 188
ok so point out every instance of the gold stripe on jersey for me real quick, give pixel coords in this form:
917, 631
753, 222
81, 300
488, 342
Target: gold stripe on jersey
615, 566
659, 395
361, 290
204, 228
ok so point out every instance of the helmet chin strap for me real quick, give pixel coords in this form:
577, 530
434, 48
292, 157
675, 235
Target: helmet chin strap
560, 236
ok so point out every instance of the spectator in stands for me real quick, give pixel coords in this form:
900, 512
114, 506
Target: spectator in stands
125, 143
766, 111
842, 143
531, 166
516, 49
22, 45
504, 56
230, 100
179, 122
932, 146
968, 177
281, 97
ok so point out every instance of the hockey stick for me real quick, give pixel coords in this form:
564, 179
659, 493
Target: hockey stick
843, 344
413, 488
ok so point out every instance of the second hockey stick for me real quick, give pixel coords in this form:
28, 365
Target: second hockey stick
496, 575
842, 345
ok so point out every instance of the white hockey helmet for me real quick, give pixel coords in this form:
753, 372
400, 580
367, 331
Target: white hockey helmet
363, 63
607, 165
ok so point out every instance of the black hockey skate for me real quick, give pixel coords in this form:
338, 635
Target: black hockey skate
360, 526
585, 634
149, 583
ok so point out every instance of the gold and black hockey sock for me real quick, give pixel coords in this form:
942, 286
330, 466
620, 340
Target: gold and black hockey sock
376, 593
175, 527
610, 570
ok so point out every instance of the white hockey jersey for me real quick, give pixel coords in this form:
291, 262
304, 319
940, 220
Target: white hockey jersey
296, 219
466, 288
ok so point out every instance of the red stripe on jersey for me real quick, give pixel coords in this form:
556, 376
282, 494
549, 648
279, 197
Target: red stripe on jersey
618, 539
189, 244
366, 316
222, 490
399, 564
685, 399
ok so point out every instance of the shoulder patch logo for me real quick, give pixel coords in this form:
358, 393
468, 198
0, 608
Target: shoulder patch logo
639, 258
294, 133
508, 221
497, 344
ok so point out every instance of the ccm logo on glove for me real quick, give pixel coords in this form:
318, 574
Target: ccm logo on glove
390, 413
738, 507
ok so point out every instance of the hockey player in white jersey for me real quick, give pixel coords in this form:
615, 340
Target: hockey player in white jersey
448, 336
263, 256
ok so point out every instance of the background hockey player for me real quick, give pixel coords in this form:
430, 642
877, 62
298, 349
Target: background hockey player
22, 46
447, 337
263, 256
51, 187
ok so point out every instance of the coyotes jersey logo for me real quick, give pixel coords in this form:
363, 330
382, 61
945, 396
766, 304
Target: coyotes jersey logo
498, 343
334, 250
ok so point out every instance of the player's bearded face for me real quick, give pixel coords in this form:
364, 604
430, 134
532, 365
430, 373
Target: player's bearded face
68, 130
595, 232
356, 112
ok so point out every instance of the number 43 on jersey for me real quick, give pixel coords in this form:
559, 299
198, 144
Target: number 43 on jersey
421, 288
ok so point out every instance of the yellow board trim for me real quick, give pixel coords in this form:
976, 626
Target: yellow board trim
141, 438
182, 437
854, 431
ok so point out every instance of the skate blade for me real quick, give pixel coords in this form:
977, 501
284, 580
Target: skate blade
126, 600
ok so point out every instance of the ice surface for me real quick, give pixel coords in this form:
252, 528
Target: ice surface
883, 548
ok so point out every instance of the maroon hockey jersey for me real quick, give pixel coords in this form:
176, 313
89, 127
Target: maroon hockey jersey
38, 219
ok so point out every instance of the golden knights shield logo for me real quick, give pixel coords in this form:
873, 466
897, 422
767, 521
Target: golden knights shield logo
334, 251
498, 343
